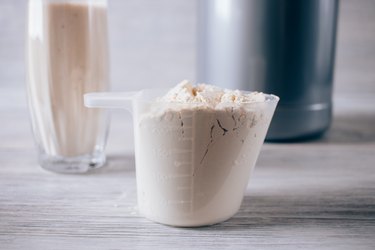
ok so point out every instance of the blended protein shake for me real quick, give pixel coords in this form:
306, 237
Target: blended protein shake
67, 57
195, 149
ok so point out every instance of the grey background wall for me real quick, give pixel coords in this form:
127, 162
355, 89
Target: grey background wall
153, 44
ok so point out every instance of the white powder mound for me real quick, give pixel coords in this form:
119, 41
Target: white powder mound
210, 96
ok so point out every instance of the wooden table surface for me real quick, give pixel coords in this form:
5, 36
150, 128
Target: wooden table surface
312, 195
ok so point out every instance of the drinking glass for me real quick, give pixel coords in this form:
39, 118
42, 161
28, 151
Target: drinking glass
67, 56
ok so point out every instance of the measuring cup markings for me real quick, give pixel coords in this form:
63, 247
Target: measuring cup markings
182, 192
167, 153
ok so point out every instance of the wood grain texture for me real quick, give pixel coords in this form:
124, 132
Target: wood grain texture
316, 195
313, 195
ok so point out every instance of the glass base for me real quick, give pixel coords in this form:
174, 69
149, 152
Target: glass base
72, 165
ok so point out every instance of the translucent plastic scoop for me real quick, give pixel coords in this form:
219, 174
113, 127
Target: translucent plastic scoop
111, 100
193, 163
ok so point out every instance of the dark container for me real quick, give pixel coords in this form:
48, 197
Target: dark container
283, 47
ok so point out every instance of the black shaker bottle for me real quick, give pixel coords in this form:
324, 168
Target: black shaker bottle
283, 47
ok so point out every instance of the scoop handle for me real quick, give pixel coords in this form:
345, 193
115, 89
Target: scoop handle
121, 100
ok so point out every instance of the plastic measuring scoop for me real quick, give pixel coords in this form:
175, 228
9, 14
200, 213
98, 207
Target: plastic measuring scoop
111, 100
193, 163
